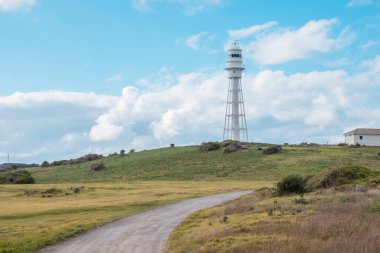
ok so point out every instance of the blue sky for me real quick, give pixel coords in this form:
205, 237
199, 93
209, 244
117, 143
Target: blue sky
98, 76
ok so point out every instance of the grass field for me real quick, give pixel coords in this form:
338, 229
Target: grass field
32, 216
325, 221
187, 163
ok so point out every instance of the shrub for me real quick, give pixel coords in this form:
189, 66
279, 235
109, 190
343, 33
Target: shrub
342, 144
272, 150
58, 163
122, 152
45, 164
226, 143
16, 177
338, 176
209, 146
214, 146
52, 191
85, 158
97, 166
291, 184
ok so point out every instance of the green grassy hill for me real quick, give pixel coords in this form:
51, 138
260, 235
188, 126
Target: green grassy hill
185, 163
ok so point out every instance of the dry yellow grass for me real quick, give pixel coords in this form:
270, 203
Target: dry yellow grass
32, 216
328, 221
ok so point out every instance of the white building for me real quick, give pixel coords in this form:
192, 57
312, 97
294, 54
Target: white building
363, 136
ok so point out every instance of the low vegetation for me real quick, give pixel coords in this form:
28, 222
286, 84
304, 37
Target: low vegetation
97, 166
324, 221
290, 185
272, 150
338, 176
32, 216
187, 163
16, 177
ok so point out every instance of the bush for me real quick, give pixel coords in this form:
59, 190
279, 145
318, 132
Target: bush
58, 163
122, 152
291, 184
16, 177
209, 146
226, 143
45, 164
97, 166
272, 150
336, 177
85, 158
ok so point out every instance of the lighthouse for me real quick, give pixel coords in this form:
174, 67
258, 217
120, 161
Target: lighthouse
235, 124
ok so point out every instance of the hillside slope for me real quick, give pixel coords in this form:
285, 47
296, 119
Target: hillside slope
186, 163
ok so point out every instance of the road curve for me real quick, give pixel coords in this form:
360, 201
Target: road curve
145, 232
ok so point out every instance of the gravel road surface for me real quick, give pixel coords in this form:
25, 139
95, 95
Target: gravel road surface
145, 232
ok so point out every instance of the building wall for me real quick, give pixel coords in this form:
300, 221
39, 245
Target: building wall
368, 140
350, 139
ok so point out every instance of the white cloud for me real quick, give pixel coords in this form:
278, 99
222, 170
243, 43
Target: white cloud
290, 44
338, 63
192, 41
194, 107
115, 78
314, 106
248, 31
105, 131
21, 99
269, 44
369, 44
11, 5
356, 3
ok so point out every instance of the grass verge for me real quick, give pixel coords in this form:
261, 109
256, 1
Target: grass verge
324, 221
33, 216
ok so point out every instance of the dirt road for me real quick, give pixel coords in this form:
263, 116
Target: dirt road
146, 232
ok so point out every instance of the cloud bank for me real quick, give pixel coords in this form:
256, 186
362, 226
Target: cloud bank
12, 5
314, 106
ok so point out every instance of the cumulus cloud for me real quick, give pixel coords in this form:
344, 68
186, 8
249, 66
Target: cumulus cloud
314, 106
11, 5
194, 107
276, 45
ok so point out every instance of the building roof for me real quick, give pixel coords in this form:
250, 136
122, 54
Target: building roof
363, 131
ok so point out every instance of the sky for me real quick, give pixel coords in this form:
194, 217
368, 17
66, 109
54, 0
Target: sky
93, 76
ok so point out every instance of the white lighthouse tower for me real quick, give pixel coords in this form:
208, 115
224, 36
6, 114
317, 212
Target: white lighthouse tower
235, 124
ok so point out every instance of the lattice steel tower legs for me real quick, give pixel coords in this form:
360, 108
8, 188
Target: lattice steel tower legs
235, 124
